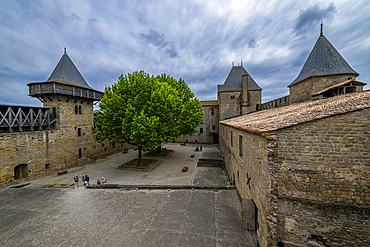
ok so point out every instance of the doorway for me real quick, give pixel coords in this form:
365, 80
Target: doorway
21, 171
213, 138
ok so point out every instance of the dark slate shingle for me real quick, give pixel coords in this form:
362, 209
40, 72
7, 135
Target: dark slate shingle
324, 59
67, 72
234, 81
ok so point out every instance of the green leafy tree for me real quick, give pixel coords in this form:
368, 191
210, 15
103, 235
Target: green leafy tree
188, 115
146, 111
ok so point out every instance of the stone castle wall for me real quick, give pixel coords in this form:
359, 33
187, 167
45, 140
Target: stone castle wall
229, 104
206, 128
302, 91
70, 143
252, 166
310, 182
254, 102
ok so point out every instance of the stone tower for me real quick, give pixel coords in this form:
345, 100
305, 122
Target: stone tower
239, 94
67, 94
324, 67
70, 100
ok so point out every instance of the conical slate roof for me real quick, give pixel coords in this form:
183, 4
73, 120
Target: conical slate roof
324, 59
234, 81
67, 72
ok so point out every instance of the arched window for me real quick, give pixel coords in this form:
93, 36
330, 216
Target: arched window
79, 110
76, 109
212, 112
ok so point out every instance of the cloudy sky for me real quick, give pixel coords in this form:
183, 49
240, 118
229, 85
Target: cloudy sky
196, 40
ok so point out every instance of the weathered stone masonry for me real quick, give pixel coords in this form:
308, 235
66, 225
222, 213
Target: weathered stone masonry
310, 182
25, 155
50, 150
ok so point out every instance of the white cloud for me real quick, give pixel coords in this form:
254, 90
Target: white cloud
196, 40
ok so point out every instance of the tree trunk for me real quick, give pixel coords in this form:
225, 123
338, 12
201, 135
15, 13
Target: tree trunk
139, 156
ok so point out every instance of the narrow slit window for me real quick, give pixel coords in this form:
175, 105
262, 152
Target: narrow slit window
241, 146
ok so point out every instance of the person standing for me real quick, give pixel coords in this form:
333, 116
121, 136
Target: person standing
83, 180
87, 179
75, 181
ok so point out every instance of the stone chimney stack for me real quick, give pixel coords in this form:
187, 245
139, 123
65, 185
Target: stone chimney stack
244, 101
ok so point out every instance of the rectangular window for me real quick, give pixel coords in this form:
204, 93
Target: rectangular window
241, 146
201, 130
231, 138
53, 113
212, 112
233, 97
213, 127
80, 153
79, 132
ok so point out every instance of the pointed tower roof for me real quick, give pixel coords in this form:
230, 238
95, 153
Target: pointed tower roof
67, 72
65, 80
234, 81
323, 60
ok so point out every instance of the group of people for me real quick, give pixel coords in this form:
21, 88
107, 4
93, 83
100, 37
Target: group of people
86, 181
103, 181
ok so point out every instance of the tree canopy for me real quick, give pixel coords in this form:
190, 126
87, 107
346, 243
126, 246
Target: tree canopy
146, 110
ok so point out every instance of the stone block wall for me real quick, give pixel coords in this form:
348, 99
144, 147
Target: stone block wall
49, 151
322, 181
254, 101
70, 143
327, 159
229, 104
209, 126
250, 173
310, 182
313, 223
302, 91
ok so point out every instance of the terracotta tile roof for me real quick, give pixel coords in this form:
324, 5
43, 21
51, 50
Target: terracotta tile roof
354, 82
286, 116
209, 102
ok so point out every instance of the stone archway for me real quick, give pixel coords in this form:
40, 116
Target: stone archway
213, 138
21, 171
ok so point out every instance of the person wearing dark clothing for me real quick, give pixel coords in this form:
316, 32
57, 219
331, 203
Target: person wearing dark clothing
75, 179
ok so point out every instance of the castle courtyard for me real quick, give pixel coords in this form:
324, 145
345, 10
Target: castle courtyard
36, 216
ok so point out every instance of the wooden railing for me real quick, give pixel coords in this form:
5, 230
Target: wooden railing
23, 118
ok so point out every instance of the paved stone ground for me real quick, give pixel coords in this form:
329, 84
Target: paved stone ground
169, 172
67, 217
34, 216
